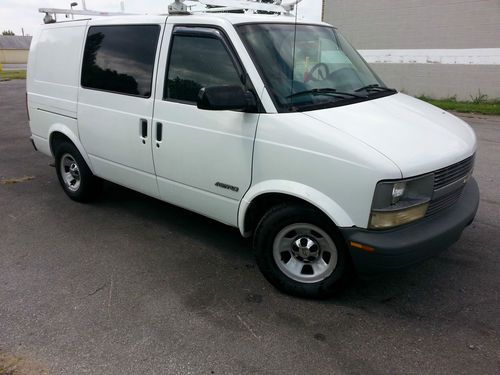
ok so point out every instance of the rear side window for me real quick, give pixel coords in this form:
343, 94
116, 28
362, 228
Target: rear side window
120, 59
197, 62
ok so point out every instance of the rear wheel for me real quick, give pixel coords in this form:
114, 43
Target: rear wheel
301, 253
74, 174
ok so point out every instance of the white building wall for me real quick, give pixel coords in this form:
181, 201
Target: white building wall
438, 48
13, 56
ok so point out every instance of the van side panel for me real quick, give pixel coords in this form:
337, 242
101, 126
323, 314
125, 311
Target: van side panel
309, 159
53, 79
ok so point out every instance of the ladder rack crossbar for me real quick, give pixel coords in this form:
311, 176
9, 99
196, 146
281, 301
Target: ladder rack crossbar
78, 12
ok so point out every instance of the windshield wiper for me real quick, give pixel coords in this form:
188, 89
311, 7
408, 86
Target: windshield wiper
326, 91
376, 88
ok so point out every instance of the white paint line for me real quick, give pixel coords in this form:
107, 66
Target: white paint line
473, 56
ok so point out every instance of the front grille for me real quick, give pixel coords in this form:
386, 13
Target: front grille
444, 177
443, 202
447, 175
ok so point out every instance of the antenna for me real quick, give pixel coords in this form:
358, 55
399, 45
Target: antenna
293, 54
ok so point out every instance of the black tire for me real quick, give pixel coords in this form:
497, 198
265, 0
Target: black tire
89, 185
276, 222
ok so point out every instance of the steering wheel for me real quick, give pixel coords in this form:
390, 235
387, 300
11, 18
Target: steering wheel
323, 72
346, 78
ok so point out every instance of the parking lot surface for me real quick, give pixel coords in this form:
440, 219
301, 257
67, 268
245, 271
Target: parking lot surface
131, 285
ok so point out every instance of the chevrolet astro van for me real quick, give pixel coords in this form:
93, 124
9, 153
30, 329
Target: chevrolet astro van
273, 126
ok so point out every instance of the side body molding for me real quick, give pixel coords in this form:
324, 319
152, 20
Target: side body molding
64, 129
324, 203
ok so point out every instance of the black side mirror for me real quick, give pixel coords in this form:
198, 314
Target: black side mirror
221, 98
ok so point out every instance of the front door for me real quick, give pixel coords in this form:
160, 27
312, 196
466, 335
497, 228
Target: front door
203, 159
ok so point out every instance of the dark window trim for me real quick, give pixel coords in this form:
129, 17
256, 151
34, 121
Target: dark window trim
179, 101
191, 30
152, 71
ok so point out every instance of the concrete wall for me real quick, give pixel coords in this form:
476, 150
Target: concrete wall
437, 28
13, 56
442, 81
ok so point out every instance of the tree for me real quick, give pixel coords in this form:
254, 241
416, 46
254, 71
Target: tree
8, 32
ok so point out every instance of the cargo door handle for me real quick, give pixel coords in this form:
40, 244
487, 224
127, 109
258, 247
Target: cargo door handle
159, 133
144, 129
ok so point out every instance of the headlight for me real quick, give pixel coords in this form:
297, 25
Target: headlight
400, 202
398, 191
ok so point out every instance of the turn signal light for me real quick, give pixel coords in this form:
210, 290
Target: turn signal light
390, 219
362, 247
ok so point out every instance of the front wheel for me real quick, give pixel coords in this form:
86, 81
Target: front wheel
300, 252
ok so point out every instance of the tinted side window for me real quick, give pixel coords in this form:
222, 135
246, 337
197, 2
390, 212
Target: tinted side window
197, 62
120, 58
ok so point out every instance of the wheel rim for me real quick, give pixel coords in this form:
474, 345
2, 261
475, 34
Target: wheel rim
305, 253
70, 172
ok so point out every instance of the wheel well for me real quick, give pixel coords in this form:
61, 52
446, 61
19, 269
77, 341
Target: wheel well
263, 203
55, 139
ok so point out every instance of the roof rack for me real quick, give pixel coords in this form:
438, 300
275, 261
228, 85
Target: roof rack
180, 7
249, 6
51, 13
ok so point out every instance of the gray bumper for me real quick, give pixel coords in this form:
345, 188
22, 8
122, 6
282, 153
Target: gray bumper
415, 242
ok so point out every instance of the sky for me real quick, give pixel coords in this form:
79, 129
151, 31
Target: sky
18, 14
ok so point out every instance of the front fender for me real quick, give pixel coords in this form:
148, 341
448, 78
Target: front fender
321, 201
64, 129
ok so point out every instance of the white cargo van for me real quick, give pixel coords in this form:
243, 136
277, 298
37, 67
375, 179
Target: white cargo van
276, 127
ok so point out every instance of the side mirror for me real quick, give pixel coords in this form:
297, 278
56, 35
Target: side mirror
222, 98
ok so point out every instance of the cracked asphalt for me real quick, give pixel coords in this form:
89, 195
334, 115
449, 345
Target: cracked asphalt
131, 285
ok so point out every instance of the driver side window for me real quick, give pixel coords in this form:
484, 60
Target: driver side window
196, 62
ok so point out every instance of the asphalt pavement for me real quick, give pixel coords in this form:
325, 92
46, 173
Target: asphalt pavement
131, 285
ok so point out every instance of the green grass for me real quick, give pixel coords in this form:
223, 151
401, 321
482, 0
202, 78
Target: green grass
479, 104
13, 74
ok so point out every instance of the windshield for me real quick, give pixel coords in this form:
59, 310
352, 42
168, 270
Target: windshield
308, 67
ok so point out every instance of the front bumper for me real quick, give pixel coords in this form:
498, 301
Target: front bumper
401, 247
